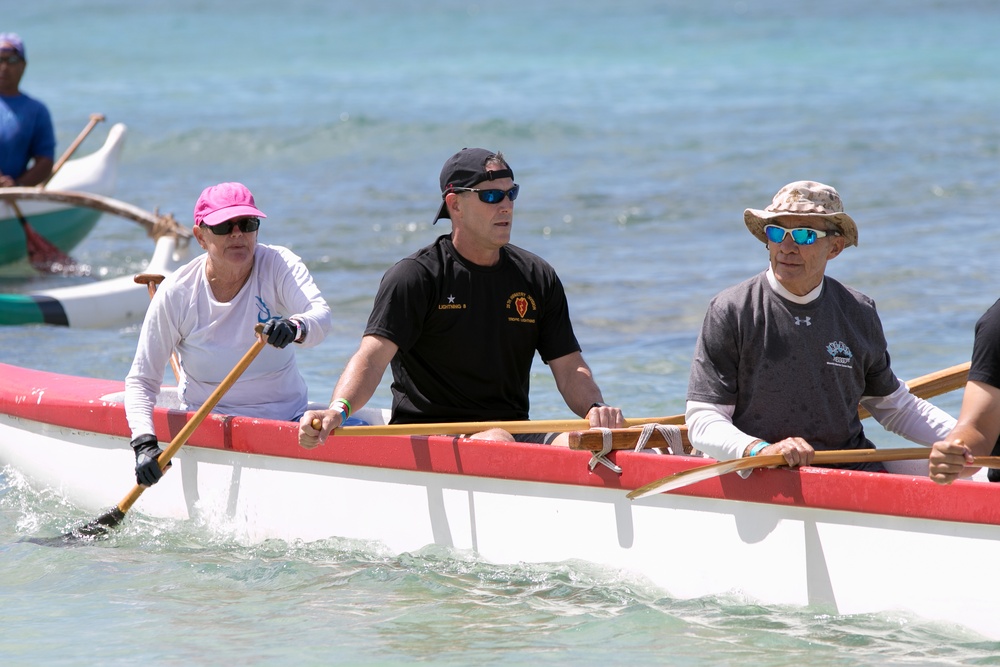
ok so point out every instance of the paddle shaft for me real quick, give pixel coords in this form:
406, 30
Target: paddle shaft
95, 118
199, 416
924, 386
703, 473
525, 426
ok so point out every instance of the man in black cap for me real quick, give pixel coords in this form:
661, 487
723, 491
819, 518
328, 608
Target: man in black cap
27, 139
460, 321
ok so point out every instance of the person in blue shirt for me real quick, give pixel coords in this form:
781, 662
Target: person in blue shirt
27, 139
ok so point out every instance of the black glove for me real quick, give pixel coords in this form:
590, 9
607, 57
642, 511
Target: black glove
280, 332
147, 468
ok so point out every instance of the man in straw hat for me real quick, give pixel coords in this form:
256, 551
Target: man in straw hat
784, 358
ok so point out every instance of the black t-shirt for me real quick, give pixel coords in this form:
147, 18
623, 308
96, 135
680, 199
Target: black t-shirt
986, 360
467, 334
986, 348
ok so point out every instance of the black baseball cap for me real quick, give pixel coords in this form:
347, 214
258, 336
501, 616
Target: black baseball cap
465, 169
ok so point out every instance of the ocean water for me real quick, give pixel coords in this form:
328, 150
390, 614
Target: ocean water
639, 131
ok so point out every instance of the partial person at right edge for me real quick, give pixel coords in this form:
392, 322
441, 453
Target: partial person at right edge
461, 319
27, 139
977, 432
785, 358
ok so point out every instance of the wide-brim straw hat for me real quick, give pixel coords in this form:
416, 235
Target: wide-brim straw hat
808, 199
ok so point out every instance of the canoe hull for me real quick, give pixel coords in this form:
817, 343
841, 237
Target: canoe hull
779, 537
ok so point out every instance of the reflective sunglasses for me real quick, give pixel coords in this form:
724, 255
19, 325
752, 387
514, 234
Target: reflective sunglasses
492, 196
246, 225
801, 235
12, 60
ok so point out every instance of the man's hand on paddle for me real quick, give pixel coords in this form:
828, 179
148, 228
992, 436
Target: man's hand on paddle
797, 452
605, 416
949, 460
309, 435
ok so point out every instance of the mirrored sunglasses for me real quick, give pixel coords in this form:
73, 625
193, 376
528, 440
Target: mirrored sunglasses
801, 235
246, 225
12, 59
492, 196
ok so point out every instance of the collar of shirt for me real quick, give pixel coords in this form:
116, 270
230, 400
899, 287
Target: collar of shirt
795, 298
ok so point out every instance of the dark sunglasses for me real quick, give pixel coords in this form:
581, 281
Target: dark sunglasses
246, 225
801, 235
492, 196
12, 60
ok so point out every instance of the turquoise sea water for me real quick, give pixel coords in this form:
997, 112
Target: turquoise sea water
639, 131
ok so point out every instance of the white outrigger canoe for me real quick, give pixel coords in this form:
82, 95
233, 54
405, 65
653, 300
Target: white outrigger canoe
61, 212
840, 541
63, 224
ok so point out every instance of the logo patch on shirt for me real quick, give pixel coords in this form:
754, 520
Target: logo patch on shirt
803, 320
263, 312
451, 305
842, 355
519, 305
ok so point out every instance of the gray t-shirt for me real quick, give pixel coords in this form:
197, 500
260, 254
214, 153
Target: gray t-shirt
792, 369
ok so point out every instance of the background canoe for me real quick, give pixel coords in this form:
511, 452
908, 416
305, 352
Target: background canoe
65, 226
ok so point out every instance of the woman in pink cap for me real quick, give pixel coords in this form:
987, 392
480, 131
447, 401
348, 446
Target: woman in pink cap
206, 312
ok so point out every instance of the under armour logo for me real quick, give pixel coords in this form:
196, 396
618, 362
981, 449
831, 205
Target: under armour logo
806, 321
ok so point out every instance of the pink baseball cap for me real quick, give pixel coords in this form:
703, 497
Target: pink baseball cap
224, 201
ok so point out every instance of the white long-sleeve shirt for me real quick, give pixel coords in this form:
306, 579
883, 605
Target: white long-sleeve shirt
210, 337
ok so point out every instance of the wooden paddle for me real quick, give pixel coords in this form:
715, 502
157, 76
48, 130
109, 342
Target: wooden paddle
114, 516
702, 473
458, 428
95, 118
151, 280
924, 386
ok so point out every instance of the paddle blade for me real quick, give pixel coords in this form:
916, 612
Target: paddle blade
96, 529
99, 526
47, 258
